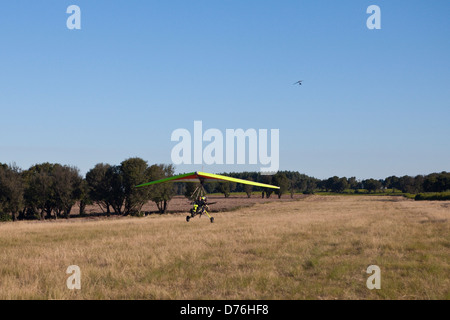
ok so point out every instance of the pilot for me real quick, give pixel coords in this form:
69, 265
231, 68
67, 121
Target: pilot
201, 203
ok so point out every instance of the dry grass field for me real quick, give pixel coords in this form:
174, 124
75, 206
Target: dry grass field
315, 247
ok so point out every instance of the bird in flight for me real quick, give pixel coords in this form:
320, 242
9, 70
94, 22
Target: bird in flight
299, 82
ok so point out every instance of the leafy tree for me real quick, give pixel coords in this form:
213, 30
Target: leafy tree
210, 187
116, 194
39, 192
189, 189
51, 190
248, 188
437, 182
311, 184
280, 180
331, 182
161, 193
418, 183
66, 188
353, 183
392, 182
135, 171
334, 184
11, 190
267, 179
225, 188
372, 185
99, 186
84, 197
406, 184
295, 184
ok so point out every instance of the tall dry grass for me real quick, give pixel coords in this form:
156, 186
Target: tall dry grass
315, 248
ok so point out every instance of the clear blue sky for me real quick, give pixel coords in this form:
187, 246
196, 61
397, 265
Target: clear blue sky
374, 103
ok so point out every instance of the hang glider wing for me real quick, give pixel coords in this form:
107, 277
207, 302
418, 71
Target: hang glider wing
202, 177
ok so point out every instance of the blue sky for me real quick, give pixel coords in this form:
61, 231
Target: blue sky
374, 103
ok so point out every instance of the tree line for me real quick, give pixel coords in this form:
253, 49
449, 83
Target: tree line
52, 190
435, 182
291, 182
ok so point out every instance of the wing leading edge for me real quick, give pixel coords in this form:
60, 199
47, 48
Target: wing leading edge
202, 177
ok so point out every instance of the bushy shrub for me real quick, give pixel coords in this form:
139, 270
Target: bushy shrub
4, 217
440, 196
